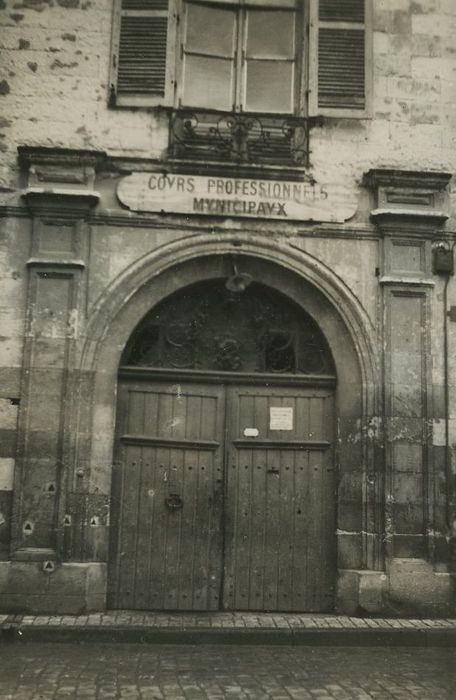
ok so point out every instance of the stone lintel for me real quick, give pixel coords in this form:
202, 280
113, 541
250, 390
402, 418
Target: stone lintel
417, 199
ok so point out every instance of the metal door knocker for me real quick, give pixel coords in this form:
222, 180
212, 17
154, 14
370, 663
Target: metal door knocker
174, 501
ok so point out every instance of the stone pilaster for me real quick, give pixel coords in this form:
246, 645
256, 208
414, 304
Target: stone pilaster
60, 195
410, 211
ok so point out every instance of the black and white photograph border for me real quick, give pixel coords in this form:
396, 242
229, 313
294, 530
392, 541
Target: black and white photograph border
227, 349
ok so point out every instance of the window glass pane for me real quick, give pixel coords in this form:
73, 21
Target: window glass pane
208, 82
270, 34
210, 30
269, 86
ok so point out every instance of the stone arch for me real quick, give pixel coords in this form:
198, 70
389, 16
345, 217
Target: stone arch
209, 327
127, 285
298, 275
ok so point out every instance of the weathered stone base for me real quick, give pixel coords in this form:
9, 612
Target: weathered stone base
414, 586
409, 587
71, 588
359, 591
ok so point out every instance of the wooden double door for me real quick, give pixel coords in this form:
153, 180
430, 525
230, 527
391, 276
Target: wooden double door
223, 497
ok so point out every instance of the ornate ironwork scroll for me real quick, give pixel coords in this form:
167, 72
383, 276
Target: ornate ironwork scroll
208, 327
240, 138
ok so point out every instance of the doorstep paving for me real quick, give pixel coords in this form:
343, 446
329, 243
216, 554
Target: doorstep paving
227, 627
221, 620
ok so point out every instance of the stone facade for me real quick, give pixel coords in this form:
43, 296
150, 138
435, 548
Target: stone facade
79, 269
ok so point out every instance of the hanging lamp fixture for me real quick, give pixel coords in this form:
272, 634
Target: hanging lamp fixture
239, 281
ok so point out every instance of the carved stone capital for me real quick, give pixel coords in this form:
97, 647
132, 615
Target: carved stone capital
409, 198
74, 204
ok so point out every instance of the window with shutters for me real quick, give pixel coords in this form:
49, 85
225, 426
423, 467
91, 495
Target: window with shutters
242, 77
340, 51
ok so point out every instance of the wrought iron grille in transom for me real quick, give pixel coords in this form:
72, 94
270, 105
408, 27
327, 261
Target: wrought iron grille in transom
207, 327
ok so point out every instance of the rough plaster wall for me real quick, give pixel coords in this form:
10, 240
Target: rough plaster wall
438, 367
54, 86
343, 257
105, 244
14, 248
54, 75
414, 120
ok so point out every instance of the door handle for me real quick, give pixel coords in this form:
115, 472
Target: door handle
174, 502
216, 498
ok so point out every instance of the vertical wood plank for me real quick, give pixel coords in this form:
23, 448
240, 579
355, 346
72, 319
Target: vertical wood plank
258, 507
243, 469
143, 530
150, 414
127, 539
176, 481
286, 541
290, 500
135, 421
274, 467
174, 555
158, 542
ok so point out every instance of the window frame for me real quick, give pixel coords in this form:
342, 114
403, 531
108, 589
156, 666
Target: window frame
182, 53
240, 57
298, 61
306, 59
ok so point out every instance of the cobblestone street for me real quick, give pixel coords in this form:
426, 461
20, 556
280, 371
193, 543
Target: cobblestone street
35, 671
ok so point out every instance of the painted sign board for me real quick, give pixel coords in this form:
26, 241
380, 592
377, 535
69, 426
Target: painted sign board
280, 418
251, 432
237, 197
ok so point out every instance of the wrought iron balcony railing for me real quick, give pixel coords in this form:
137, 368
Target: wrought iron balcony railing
239, 139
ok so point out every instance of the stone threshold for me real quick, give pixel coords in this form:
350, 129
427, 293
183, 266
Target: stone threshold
223, 620
229, 628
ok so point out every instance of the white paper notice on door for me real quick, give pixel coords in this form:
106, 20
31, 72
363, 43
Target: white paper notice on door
280, 418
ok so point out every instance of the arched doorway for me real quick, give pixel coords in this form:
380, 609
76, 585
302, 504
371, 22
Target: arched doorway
223, 491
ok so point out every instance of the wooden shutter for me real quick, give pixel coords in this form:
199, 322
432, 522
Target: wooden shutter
340, 58
141, 70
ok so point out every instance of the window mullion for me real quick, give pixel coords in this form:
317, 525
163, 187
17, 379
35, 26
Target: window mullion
301, 60
240, 60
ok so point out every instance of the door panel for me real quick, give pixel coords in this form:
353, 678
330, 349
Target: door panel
280, 513
177, 514
167, 498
